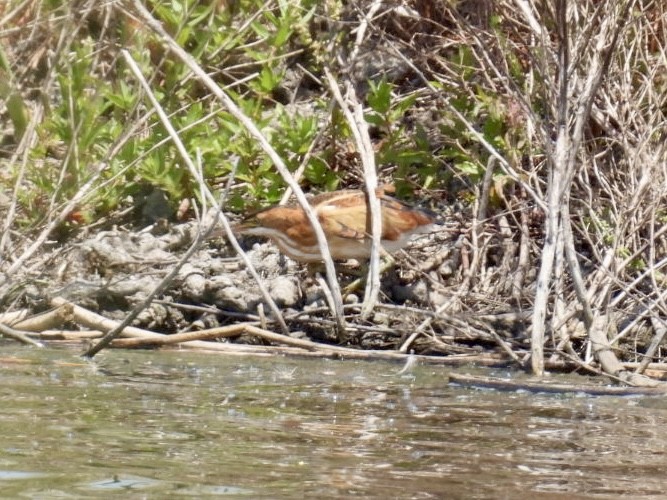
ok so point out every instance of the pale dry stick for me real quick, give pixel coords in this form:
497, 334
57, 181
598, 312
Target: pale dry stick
197, 175
563, 168
67, 334
648, 309
505, 346
248, 124
478, 222
65, 40
227, 332
465, 285
18, 335
510, 385
484, 197
523, 260
82, 316
658, 367
583, 296
95, 321
262, 316
559, 279
47, 320
359, 128
18, 10
528, 12
557, 174
10, 318
363, 26
472, 129
326, 291
509, 246
158, 289
660, 330
604, 353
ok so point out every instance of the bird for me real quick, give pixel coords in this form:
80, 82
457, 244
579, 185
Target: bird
346, 222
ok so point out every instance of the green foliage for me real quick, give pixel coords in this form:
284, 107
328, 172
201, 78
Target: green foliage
16, 107
246, 47
409, 153
98, 99
491, 115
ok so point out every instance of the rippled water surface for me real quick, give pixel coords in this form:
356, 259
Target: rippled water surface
157, 424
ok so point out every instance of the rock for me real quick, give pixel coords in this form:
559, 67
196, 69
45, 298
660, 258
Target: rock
265, 259
134, 287
193, 282
236, 299
154, 316
227, 294
284, 290
351, 298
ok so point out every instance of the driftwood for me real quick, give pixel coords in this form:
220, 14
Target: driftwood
46, 326
225, 332
18, 335
68, 335
513, 385
9, 318
47, 320
610, 364
139, 337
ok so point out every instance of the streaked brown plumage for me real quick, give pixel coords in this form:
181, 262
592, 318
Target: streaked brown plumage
346, 223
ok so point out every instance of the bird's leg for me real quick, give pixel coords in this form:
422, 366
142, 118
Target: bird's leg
386, 263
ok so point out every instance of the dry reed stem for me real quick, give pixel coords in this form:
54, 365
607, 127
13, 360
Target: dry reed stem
612, 257
353, 111
231, 106
196, 174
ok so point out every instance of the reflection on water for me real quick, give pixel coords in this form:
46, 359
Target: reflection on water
153, 424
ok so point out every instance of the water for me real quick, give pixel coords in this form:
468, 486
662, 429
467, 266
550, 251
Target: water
157, 424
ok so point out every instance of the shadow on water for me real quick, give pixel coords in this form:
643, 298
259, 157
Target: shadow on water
155, 424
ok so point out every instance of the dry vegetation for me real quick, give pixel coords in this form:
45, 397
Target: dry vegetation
536, 128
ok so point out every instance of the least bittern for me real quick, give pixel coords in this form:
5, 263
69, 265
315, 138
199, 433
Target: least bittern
345, 219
